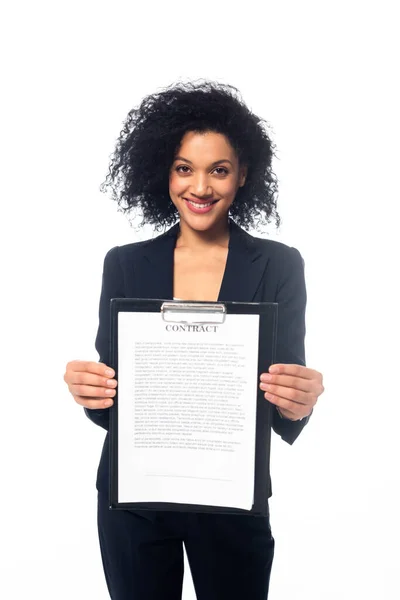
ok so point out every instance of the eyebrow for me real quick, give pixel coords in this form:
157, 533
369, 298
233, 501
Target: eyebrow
212, 164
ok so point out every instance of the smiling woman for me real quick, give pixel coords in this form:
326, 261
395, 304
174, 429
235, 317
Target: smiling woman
207, 144
195, 157
198, 189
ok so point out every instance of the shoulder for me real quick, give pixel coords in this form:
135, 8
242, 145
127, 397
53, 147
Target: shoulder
276, 251
128, 251
138, 246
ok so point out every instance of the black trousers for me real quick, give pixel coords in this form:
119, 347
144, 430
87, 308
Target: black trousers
230, 556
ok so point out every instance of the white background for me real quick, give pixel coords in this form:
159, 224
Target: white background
324, 74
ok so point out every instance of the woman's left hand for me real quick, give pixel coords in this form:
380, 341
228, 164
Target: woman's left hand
293, 388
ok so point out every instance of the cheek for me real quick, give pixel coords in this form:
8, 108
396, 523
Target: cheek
226, 189
230, 187
176, 185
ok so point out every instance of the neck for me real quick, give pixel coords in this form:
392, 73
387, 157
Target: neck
201, 240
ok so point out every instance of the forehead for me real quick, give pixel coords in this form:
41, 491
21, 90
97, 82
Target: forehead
206, 143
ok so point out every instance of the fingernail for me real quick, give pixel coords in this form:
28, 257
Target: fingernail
108, 403
266, 377
109, 372
273, 369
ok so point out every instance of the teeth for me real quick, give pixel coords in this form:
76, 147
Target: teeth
199, 205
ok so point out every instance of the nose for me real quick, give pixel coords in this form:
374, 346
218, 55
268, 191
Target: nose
201, 187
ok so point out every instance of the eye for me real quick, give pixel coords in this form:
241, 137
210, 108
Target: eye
224, 171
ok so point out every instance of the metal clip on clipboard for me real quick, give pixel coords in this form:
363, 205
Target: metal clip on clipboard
213, 313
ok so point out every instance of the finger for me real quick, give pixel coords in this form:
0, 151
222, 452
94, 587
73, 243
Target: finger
296, 370
304, 385
93, 403
287, 414
287, 405
83, 378
88, 366
92, 391
296, 396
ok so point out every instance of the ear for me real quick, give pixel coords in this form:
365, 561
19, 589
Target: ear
242, 175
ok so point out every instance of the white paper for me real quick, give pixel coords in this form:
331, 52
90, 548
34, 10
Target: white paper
187, 401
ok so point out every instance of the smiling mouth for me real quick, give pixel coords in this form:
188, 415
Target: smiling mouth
202, 204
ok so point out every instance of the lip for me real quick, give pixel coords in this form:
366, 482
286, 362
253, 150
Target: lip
201, 201
203, 209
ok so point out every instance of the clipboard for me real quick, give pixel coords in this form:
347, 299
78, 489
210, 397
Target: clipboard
178, 311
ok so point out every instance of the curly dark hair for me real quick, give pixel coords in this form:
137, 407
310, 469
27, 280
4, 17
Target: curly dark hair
150, 139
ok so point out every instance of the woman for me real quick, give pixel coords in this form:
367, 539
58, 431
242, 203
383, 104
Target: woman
195, 152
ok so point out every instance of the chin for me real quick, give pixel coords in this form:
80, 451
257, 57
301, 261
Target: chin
204, 222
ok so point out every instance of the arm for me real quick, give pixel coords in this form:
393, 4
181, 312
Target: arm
292, 299
112, 287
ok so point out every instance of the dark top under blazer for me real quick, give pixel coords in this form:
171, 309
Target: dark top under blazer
257, 270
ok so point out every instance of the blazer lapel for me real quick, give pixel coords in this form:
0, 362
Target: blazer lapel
154, 268
245, 266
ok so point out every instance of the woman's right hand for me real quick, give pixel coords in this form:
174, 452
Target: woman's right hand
90, 384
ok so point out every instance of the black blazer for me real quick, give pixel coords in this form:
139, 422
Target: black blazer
257, 270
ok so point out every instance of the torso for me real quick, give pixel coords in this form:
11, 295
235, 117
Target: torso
199, 277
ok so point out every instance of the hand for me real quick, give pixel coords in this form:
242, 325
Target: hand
90, 384
293, 388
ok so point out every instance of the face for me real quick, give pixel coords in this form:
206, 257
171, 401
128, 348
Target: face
205, 169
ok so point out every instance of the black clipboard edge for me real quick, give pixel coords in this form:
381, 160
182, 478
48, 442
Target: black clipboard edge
263, 412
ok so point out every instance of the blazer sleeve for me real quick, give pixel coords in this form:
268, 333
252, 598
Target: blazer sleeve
112, 287
292, 300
